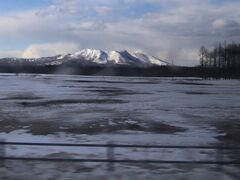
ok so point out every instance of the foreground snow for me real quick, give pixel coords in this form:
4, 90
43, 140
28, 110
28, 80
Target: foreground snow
84, 109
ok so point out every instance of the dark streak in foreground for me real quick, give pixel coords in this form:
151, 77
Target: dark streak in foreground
153, 71
122, 161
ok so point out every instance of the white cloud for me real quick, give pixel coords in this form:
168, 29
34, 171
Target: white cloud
78, 7
88, 26
40, 50
26, 25
219, 24
175, 32
10, 53
103, 9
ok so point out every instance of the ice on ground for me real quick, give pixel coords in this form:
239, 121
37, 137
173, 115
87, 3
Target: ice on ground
123, 110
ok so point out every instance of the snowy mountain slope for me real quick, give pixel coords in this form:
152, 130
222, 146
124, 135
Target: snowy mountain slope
94, 56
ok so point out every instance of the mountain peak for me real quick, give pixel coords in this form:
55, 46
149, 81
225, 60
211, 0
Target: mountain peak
96, 56
116, 57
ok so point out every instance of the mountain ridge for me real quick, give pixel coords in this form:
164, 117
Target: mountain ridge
93, 57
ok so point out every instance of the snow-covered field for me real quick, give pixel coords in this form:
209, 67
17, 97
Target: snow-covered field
123, 110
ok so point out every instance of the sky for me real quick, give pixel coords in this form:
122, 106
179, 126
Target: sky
172, 30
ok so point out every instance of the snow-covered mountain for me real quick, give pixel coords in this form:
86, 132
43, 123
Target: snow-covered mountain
97, 57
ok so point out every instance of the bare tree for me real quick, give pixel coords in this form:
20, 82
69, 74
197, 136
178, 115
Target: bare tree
226, 55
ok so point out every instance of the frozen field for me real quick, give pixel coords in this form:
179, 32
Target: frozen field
124, 110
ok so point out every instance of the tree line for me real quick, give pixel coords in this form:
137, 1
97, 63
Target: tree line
223, 55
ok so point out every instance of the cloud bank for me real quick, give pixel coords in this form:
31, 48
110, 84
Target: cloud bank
172, 30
